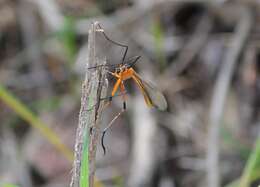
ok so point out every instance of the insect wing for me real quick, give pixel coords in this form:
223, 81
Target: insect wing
156, 97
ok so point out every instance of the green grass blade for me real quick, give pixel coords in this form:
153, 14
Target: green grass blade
84, 167
7, 185
20, 109
252, 168
84, 170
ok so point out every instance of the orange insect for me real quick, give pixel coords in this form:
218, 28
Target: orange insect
124, 71
152, 96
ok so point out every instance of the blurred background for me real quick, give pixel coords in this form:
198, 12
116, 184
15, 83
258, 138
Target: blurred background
202, 55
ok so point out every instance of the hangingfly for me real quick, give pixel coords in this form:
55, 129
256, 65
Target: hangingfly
124, 71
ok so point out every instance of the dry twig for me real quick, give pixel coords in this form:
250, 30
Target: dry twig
94, 88
220, 92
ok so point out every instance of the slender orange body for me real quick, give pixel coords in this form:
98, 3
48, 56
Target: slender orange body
125, 74
122, 76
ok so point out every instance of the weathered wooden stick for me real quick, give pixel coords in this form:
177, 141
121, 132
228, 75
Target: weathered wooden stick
94, 88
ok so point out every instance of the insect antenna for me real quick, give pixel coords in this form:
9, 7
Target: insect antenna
135, 60
107, 98
116, 43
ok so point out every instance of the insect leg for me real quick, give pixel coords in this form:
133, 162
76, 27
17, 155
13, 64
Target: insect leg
136, 58
110, 98
122, 90
108, 101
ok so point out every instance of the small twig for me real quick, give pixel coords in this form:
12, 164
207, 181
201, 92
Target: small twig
94, 88
220, 92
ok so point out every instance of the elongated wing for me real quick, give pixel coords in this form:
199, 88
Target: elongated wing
152, 95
